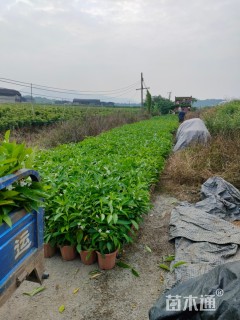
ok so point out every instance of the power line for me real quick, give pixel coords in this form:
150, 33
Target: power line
115, 94
60, 90
64, 98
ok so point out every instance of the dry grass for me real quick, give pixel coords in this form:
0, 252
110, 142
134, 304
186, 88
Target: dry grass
186, 170
74, 130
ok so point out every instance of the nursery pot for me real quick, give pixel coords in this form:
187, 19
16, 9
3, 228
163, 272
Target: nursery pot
88, 257
68, 252
107, 261
49, 251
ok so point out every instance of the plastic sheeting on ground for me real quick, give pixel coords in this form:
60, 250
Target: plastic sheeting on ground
214, 295
191, 131
220, 198
204, 239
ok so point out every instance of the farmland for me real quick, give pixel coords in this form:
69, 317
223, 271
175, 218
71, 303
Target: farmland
104, 172
99, 189
14, 116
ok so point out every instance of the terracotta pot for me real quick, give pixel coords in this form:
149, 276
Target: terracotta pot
68, 252
49, 251
88, 257
107, 261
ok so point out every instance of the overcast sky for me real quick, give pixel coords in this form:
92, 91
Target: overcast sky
188, 47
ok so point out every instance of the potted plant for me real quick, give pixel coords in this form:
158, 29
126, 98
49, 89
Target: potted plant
23, 192
108, 240
66, 226
49, 246
50, 236
67, 244
84, 247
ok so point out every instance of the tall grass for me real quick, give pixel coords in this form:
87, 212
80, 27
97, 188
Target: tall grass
224, 119
188, 169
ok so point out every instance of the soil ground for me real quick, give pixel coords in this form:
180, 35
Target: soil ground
114, 295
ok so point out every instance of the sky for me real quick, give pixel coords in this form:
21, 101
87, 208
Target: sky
186, 47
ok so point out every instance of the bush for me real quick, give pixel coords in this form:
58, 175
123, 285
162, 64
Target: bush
223, 119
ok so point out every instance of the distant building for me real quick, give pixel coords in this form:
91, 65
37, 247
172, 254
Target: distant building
94, 102
107, 104
27, 99
64, 102
183, 101
9, 95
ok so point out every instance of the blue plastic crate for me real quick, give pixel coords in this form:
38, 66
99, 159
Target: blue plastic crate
21, 246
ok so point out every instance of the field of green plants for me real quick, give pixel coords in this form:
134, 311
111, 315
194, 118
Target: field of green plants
100, 187
13, 116
224, 119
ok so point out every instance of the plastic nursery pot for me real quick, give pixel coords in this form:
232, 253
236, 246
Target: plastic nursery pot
49, 251
88, 257
107, 261
68, 252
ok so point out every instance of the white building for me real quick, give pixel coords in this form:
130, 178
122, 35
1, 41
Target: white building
9, 95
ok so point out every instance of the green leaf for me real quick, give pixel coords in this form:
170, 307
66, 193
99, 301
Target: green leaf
109, 218
123, 222
148, 249
79, 236
110, 206
61, 308
57, 216
9, 194
109, 246
7, 136
79, 248
35, 291
178, 264
115, 218
135, 273
123, 265
164, 266
135, 224
127, 266
76, 290
7, 219
6, 202
169, 258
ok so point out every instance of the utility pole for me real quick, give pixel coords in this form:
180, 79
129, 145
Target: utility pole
32, 101
142, 88
169, 95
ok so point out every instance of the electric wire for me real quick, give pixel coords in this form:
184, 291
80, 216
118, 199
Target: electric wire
115, 93
59, 90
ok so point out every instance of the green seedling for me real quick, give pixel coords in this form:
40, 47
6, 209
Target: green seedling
127, 266
171, 258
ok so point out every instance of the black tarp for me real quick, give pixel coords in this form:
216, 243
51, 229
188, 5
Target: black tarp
216, 293
209, 243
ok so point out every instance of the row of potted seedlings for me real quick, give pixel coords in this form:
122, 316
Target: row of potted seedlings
100, 187
101, 247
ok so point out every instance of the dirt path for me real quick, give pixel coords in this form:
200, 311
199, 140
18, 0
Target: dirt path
116, 294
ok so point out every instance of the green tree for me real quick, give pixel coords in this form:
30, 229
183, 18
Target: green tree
148, 102
162, 105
